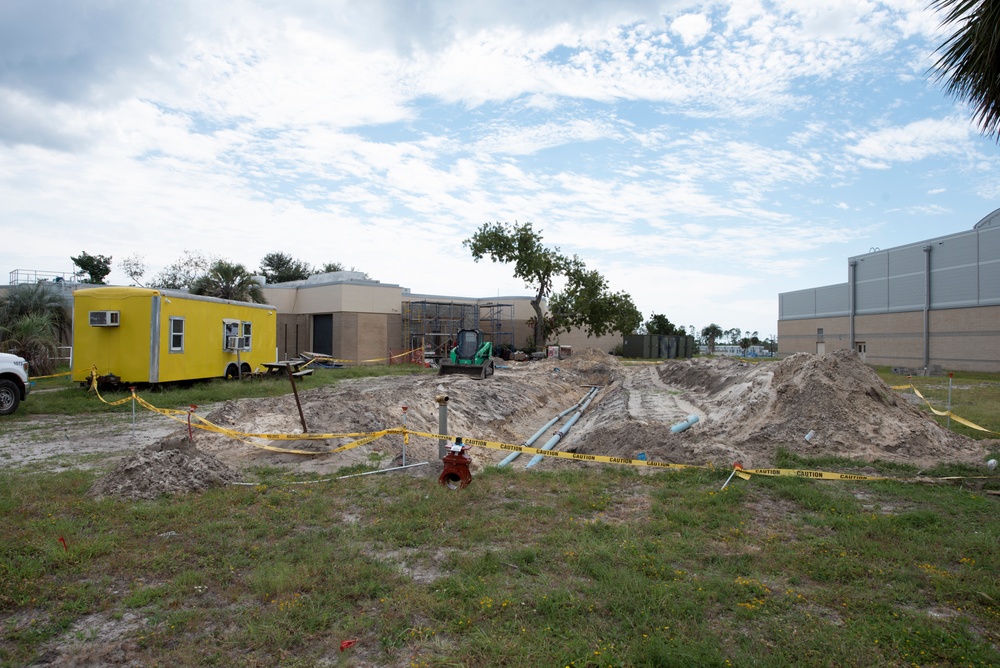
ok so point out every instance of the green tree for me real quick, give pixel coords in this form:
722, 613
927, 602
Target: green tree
970, 58
330, 268
32, 336
282, 267
587, 303
711, 333
93, 268
182, 274
227, 280
659, 324
37, 299
535, 264
744, 345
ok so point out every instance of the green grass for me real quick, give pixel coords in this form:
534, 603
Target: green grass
594, 567
65, 398
974, 396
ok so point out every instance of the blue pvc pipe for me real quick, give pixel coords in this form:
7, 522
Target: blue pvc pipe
548, 425
564, 430
681, 426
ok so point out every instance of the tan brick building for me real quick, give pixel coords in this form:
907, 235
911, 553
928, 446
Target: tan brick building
350, 317
932, 304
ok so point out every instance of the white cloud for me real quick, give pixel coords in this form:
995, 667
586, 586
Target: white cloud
692, 28
913, 141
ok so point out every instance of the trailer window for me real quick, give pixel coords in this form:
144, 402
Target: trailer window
247, 335
177, 335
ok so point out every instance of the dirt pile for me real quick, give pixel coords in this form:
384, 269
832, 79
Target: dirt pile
508, 407
746, 412
168, 467
850, 411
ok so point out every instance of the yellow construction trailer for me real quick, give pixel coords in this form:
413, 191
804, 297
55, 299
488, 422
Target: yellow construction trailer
141, 335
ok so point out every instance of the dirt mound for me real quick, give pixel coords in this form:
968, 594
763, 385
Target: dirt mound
850, 411
169, 467
746, 412
507, 407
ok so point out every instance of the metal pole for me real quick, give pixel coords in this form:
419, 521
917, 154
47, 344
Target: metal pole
132, 390
291, 379
406, 437
395, 468
950, 376
442, 402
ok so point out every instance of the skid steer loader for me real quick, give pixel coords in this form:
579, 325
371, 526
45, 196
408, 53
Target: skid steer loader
471, 356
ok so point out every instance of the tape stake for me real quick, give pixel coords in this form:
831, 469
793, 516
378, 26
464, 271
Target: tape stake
63, 541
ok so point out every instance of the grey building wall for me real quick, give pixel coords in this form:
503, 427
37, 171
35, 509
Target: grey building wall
935, 302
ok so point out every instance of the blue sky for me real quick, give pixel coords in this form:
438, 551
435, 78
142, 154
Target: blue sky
703, 156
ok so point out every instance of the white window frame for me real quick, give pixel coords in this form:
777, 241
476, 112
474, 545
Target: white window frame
246, 331
172, 333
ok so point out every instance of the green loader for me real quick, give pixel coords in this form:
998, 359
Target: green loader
471, 356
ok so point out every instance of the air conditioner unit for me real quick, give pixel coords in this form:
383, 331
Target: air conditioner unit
104, 318
232, 342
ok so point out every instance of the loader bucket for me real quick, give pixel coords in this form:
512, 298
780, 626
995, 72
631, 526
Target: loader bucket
479, 371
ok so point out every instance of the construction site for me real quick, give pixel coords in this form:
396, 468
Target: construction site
806, 404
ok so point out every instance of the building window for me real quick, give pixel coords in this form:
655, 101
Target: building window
861, 347
177, 335
819, 333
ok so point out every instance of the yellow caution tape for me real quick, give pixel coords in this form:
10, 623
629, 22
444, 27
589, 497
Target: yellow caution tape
510, 447
93, 386
54, 375
960, 420
805, 473
344, 361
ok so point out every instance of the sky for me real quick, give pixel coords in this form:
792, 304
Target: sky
703, 156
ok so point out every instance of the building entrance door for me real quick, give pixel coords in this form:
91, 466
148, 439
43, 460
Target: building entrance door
322, 339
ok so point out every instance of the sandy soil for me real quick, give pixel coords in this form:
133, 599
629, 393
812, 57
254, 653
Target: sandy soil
746, 411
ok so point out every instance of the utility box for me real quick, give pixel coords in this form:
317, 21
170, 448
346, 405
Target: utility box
655, 346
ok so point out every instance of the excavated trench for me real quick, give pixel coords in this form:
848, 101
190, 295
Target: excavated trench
746, 412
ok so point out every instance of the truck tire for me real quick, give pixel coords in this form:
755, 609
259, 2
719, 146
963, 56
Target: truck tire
10, 397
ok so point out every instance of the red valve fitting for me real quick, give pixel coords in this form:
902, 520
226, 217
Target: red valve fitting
456, 473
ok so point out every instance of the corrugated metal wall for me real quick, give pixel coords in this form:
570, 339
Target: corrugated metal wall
965, 271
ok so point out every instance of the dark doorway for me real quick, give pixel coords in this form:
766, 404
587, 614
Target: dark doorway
322, 342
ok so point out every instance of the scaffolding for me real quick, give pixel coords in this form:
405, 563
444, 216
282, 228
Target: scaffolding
433, 326
497, 324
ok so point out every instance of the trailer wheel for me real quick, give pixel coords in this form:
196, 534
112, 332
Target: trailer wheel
245, 369
232, 372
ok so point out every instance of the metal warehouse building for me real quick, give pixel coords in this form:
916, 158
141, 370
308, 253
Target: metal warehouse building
928, 305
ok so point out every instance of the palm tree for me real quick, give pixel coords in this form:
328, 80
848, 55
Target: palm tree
37, 298
711, 333
31, 336
227, 280
970, 58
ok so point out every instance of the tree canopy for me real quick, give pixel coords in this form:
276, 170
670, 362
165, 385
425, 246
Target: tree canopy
228, 280
969, 60
586, 302
93, 268
182, 274
134, 266
659, 324
282, 267
711, 333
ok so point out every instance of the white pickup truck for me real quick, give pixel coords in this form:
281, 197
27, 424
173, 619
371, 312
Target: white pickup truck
14, 386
